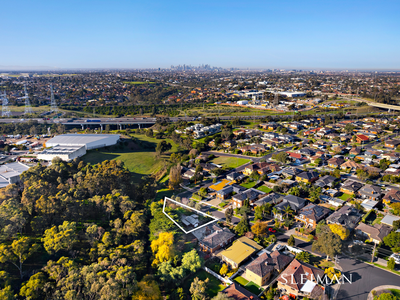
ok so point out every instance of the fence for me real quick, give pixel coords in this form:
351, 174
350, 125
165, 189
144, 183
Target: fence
228, 281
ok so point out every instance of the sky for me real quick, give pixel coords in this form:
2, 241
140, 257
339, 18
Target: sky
242, 34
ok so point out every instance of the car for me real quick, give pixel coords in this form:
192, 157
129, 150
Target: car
271, 230
357, 242
279, 247
396, 257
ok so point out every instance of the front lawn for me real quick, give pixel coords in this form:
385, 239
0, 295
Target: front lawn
249, 185
253, 288
214, 285
345, 197
264, 189
230, 162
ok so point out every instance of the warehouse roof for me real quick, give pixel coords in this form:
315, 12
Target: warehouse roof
79, 139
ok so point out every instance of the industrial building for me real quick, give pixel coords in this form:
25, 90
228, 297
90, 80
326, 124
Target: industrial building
70, 146
9, 173
90, 141
66, 153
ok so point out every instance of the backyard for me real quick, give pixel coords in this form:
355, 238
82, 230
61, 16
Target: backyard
249, 185
248, 285
214, 285
345, 197
264, 189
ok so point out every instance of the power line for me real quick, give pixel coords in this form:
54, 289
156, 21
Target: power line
5, 109
53, 104
28, 107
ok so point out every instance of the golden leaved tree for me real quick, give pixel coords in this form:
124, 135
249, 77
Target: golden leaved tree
163, 247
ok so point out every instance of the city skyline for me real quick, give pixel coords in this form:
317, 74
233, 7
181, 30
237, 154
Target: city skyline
361, 35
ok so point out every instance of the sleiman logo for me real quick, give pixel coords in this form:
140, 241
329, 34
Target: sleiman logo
325, 280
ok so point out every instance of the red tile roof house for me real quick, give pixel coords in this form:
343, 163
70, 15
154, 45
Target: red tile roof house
362, 138
300, 279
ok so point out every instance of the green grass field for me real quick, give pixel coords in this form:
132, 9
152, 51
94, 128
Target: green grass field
253, 288
214, 285
141, 161
230, 162
264, 189
395, 292
249, 185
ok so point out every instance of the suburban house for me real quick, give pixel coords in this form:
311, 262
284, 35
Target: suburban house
389, 219
254, 167
351, 187
335, 162
374, 233
273, 198
392, 144
307, 177
325, 181
372, 192
227, 191
347, 216
305, 280
241, 250
220, 185
361, 138
236, 292
235, 176
262, 268
355, 151
251, 194
311, 214
295, 203
216, 240
393, 196
291, 171
349, 164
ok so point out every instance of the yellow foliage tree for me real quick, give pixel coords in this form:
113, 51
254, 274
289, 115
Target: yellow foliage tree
340, 231
332, 273
147, 290
163, 248
260, 228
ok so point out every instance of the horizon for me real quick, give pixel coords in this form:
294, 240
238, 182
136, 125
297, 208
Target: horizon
361, 35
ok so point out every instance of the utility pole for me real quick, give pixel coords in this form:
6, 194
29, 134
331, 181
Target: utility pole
373, 253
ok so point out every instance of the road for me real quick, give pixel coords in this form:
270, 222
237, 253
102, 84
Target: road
364, 279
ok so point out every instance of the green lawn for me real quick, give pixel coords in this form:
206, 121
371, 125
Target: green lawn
264, 189
345, 197
241, 280
249, 185
253, 288
214, 285
230, 162
141, 159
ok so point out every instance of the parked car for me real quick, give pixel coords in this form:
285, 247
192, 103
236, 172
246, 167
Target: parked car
271, 230
396, 257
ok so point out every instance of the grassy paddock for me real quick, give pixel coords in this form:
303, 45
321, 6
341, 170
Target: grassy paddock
230, 162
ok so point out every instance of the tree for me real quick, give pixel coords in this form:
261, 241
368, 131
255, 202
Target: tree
198, 289
396, 225
340, 231
60, 238
387, 296
162, 247
175, 177
281, 157
34, 287
223, 270
349, 128
328, 243
291, 241
243, 226
258, 213
396, 208
229, 214
303, 256
191, 261
18, 252
275, 212
259, 228
222, 296
203, 192
162, 147
391, 263
333, 274
287, 210
393, 241
169, 274
147, 289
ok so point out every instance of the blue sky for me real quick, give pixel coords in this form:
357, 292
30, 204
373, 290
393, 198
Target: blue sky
245, 34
